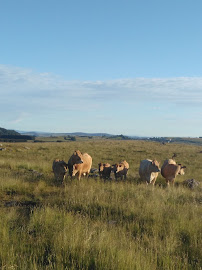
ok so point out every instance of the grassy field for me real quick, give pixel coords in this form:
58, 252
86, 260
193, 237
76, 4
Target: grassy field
93, 224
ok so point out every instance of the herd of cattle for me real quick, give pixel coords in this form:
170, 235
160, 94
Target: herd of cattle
80, 165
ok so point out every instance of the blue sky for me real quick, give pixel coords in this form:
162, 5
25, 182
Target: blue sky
130, 67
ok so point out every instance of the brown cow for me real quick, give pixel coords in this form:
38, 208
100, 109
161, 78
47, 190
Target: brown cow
120, 169
59, 169
82, 168
76, 158
104, 170
149, 170
170, 170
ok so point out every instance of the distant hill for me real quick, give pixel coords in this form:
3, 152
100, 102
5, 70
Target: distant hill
49, 134
30, 135
4, 131
13, 136
185, 140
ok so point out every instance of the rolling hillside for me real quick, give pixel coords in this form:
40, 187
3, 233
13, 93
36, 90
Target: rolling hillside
4, 131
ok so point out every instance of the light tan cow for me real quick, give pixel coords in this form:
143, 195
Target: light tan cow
170, 170
84, 167
120, 169
59, 169
104, 170
149, 170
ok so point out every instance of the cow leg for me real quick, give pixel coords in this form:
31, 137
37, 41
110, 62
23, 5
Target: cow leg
172, 182
79, 176
153, 181
168, 182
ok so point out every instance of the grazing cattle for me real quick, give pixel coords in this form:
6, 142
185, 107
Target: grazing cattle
120, 169
82, 168
170, 170
149, 170
59, 169
104, 170
76, 158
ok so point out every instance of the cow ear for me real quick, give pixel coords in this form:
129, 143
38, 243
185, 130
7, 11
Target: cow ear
183, 167
180, 164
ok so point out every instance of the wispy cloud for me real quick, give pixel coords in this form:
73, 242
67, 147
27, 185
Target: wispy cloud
25, 93
173, 90
25, 84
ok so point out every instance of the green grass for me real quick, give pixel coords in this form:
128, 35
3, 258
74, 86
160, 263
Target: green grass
94, 224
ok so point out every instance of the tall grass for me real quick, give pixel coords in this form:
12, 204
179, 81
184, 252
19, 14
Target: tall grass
93, 224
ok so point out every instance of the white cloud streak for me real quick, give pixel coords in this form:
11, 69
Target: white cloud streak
24, 93
25, 84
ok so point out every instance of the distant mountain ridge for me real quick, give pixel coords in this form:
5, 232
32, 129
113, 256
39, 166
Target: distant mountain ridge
49, 134
7, 135
4, 131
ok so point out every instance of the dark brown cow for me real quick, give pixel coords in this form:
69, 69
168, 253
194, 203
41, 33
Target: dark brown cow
59, 169
104, 170
120, 169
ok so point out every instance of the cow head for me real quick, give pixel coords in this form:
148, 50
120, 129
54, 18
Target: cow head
181, 170
155, 166
77, 157
118, 167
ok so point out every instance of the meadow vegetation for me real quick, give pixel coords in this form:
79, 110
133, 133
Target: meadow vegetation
94, 224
